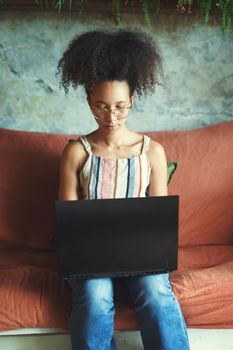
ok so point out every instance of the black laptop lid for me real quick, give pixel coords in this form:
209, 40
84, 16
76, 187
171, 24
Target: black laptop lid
117, 237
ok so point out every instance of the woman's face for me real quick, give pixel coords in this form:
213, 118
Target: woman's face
109, 97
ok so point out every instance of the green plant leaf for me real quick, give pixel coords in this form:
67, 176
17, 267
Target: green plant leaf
117, 4
146, 13
171, 168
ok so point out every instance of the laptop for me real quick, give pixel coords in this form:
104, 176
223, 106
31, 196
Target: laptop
117, 237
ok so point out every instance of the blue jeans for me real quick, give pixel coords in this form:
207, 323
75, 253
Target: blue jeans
161, 321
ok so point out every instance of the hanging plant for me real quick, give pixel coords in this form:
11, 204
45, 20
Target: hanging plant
151, 7
146, 13
223, 8
117, 5
148, 7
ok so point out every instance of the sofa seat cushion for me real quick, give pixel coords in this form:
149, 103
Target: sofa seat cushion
203, 256
206, 295
30, 296
38, 297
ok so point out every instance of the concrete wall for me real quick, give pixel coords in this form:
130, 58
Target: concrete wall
198, 73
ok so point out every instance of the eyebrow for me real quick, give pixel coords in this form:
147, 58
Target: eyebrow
106, 103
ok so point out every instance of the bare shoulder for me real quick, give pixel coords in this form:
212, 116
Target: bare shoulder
158, 163
155, 146
70, 165
73, 153
156, 153
73, 145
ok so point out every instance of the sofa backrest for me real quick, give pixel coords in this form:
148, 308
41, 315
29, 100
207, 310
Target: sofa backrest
29, 179
204, 182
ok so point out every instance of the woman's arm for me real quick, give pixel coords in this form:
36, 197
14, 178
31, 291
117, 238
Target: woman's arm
158, 161
68, 175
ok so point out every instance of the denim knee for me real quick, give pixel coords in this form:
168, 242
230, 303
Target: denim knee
158, 287
160, 316
92, 314
94, 295
154, 289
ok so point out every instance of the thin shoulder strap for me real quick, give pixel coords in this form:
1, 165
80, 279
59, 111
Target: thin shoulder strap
86, 144
146, 141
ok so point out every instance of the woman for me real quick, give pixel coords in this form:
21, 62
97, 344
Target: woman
115, 162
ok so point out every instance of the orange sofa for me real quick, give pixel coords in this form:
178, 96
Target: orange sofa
32, 294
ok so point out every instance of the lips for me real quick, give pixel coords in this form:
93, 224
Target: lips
110, 127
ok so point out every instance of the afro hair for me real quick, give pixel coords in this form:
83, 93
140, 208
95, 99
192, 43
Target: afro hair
108, 55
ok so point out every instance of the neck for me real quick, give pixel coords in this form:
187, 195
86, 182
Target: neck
115, 139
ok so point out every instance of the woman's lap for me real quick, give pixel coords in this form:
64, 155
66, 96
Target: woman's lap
107, 286
159, 314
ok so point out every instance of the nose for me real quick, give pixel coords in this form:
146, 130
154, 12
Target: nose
110, 115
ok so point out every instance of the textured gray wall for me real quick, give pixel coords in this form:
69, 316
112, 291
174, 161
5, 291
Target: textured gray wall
198, 73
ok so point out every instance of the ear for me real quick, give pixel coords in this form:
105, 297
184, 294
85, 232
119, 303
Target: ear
132, 100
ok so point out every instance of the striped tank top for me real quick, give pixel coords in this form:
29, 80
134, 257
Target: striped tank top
102, 177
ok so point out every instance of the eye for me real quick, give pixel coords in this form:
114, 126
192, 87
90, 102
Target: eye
99, 106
